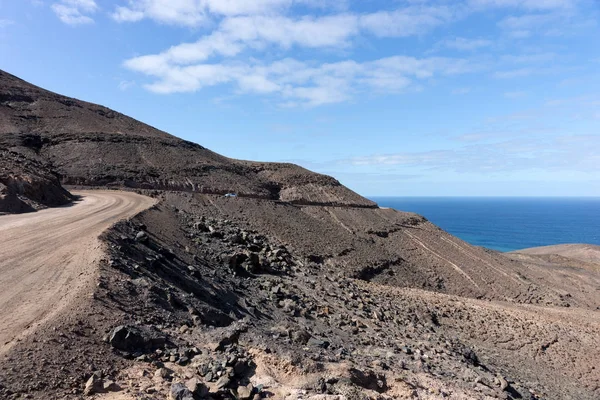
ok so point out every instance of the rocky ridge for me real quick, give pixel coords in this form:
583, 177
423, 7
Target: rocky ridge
91, 145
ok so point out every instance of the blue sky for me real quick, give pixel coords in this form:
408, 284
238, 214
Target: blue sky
416, 97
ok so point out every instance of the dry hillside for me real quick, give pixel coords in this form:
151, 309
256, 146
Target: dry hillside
298, 288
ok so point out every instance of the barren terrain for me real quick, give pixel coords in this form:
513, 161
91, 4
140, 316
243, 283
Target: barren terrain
48, 259
584, 255
298, 288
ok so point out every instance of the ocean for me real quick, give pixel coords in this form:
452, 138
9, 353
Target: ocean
508, 223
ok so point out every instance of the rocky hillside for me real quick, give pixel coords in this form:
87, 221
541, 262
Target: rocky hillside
27, 184
297, 289
94, 146
197, 300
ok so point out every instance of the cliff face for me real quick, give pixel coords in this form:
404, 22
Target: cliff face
27, 184
91, 145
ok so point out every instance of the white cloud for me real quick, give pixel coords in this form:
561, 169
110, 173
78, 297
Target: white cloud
524, 66
523, 26
197, 12
414, 19
5, 23
406, 22
561, 153
75, 12
466, 44
415, 159
532, 58
552, 23
257, 24
247, 29
516, 94
181, 12
235, 34
300, 83
461, 91
124, 85
524, 4
124, 14
473, 137
514, 73
306, 31
244, 7
334, 5
264, 19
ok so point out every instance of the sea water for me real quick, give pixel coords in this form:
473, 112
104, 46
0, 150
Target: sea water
508, 223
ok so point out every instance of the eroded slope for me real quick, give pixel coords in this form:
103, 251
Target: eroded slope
27, 184
92, 145
247, 307
298, 288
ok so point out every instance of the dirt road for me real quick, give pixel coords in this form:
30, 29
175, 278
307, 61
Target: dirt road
48, 259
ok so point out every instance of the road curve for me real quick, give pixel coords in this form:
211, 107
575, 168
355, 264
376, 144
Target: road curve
49, 258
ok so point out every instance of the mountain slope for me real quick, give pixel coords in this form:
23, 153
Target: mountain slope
92, 145
95, 146
27, 108
297, 288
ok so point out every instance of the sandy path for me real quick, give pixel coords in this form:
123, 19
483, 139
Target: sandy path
48, 258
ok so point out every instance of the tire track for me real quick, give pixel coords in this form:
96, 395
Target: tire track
453, 265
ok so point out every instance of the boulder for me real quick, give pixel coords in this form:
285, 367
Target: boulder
197, 388
236, 260
245, 392
126, 338
223, 382
237, 239
254, 259
164, 373
227, 336
368, 379
141, 237
131, 338
470, 356
94, 385
315, 342
180, 392
200, 226
502, 383
301, 336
